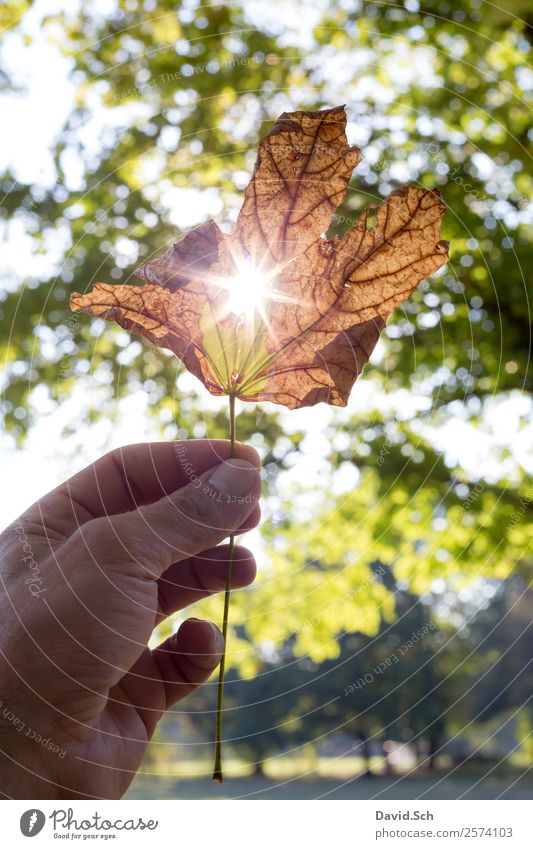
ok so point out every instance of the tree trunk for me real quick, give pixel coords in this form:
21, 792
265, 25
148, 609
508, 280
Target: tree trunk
434, 744
258, 770
366, 756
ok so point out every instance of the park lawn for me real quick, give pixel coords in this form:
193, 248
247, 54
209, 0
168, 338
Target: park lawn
280, 767
459, 783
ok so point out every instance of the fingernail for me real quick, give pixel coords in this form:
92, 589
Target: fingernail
218, 639
234, 477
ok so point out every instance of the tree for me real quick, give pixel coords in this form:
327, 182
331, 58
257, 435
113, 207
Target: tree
177, 99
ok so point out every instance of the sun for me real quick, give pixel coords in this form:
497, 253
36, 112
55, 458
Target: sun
248, 289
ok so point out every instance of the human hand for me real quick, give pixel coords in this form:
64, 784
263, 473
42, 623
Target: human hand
86, 574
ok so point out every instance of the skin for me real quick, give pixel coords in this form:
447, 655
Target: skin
86, 574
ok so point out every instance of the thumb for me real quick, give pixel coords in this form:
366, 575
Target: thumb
190, 520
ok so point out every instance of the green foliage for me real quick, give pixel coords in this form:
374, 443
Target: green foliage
187, 94
177, 97
463, 108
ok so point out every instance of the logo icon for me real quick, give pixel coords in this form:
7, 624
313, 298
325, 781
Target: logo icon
32, 822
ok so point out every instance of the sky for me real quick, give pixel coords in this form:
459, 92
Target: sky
494, 447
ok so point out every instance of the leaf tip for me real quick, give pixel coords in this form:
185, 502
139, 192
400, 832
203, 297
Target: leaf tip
437, 193
73, 301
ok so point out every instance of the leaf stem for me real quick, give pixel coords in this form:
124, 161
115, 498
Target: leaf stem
217, 771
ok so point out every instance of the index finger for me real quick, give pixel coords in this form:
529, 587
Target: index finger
130, 477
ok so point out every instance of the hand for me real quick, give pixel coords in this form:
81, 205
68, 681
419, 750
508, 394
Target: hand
87, 572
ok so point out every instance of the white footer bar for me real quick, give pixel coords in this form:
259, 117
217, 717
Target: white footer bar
269, 824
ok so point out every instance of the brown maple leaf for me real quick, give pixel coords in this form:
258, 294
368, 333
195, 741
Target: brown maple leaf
275, 311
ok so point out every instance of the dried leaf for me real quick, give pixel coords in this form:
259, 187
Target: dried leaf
275, 311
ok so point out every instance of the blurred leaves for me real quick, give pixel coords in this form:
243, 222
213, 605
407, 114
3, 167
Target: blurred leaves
168, 108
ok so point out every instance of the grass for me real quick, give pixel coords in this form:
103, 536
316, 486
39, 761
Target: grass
291, 784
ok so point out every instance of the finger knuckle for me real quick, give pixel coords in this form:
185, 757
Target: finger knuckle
98, 533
